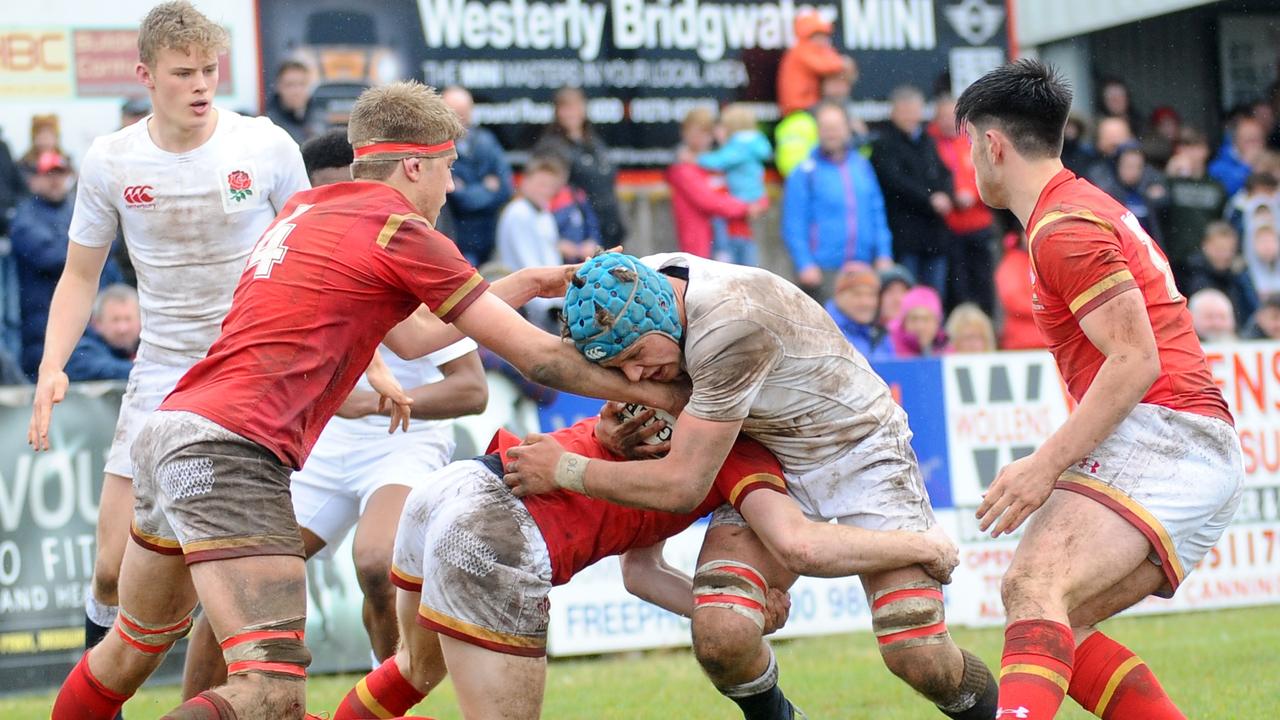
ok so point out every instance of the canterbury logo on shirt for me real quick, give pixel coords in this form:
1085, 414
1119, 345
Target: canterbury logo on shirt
138, 196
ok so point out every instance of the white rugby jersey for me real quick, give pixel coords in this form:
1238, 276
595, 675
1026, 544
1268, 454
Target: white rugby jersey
410, 374
759, 350
189, 220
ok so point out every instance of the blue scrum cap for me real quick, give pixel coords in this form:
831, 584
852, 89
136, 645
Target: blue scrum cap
614, 300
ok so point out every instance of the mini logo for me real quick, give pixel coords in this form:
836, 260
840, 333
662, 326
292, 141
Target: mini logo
240, 184
974, 20
595, 352
139, 196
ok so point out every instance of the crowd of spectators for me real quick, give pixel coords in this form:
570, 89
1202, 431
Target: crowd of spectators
883, 225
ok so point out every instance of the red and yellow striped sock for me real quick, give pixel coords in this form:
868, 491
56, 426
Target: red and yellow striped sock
1111, 682
1035, 669
383, 693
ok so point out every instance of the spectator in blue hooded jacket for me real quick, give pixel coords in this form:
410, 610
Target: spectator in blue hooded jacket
482, 183
39, 234
1235, 161
833, 214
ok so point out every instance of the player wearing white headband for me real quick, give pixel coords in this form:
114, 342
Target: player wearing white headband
766, 360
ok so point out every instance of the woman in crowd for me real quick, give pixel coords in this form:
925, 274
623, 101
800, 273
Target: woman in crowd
698, 195
970, 330
571, 137
918, 329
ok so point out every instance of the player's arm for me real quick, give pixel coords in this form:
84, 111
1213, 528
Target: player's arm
675, 483
548, 360
463, 391
646, 574
1117, 324
422, 333
828, 550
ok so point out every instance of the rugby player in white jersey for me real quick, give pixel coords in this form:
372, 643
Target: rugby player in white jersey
358, 475
766, 360
192, 186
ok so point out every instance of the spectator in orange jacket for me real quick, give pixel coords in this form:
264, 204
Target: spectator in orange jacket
806, 63
1013, 287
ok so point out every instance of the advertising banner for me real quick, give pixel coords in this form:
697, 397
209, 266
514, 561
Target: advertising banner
643, 64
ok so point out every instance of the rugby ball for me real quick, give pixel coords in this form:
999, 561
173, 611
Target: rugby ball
630, 410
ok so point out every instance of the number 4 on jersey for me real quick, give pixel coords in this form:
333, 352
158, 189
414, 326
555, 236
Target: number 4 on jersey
270, 250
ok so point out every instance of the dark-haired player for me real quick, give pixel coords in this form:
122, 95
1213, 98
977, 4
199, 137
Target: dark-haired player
1144, 476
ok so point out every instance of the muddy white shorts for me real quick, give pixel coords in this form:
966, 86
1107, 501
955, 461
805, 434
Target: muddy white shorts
149, 384
1176, 476
351, 461
876, 485
476, 555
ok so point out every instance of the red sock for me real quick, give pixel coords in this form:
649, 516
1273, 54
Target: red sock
83, 697
382, 693
1111, 682
1035, 669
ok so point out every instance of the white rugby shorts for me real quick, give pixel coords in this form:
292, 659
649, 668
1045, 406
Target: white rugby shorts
1175, 476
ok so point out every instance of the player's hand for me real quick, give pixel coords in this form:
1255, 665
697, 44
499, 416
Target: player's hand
51, 388
390, 395
360, 403
943, 556
810, 277
1020, 488
552, 281
531, 466
626, 436
777, 608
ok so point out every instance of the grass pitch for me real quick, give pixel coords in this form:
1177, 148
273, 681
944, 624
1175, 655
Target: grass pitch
1222, 664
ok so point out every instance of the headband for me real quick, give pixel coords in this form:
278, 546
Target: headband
403, 148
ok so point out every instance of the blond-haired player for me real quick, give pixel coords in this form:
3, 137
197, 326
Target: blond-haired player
193, 186
338, 269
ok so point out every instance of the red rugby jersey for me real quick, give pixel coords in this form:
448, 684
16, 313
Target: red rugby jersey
1086, 248
339, 267
580, 530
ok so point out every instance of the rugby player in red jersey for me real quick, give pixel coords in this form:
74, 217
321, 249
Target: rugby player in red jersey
1144, 476
339, 268
475, 566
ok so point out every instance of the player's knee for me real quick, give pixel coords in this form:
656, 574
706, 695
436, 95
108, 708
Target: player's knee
106, 583
1023, 583
373, 572
269, 654
286, 698
910, 626
928, 669
723, 641
423, 673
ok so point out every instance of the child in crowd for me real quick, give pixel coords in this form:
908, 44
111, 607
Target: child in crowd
970, 330
1262, 252
854, 308
741, 157
527, 232
918, 329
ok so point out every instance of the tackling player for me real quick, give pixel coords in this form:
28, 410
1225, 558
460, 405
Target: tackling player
475, 566
766, 360
338, 269
358, 474
192, 186
1147, 472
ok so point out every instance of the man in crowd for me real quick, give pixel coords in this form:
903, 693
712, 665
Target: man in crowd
917, 189
1218, 265
1236, 158
969, 254
766, 360
482, 183
1195, 199
192, 188
1142, 479
39, 234
290, 106
833, 213
106, 350
1112, 132
797, 134
1212, 316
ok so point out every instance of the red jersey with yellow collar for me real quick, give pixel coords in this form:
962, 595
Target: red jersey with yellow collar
1086, 248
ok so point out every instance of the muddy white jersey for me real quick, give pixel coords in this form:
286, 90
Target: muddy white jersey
190, 220
759, 350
